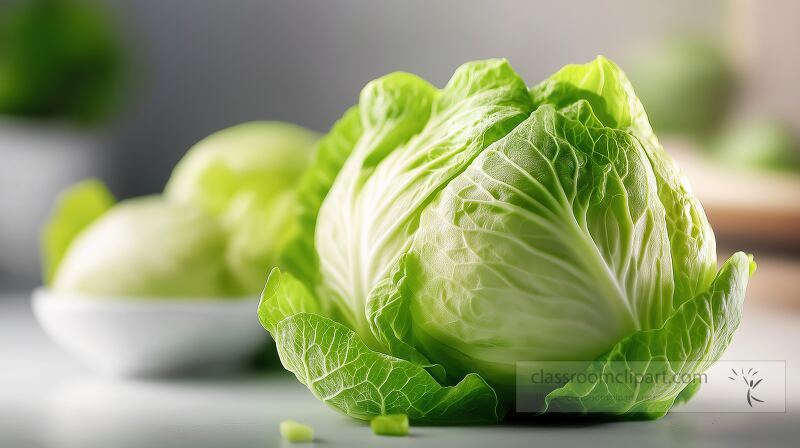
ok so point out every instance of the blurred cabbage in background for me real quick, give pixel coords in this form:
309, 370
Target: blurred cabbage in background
58, 59
246, 176
761, 143
691, 89
225, 217
686, 83
148, 247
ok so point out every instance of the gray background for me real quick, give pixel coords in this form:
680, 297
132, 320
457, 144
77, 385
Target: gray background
202, 65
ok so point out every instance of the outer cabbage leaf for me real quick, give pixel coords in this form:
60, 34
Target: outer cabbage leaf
604, 85
687, 393
690, 341
75, 209
284, 296
389, 319
300, 256
341, 371
551, 246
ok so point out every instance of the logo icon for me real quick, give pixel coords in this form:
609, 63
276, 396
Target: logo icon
751, 380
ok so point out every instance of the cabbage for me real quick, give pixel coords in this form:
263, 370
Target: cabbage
227, 215
260, 156
450, 235
246, 176
147, 247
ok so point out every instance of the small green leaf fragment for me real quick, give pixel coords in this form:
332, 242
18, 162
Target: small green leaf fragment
390, 425
295, 432
75, 209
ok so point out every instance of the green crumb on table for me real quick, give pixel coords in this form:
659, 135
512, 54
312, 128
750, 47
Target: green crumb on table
293, 431
390, 425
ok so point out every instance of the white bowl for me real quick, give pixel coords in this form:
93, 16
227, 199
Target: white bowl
145, 337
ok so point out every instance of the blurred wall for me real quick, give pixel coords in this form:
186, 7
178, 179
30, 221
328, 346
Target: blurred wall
201, 65
764, 38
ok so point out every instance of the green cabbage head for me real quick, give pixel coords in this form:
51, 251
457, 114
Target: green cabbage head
144, 248
227, 214
451, 234
247, 177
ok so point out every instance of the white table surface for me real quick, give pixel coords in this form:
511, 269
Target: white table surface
49, 400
